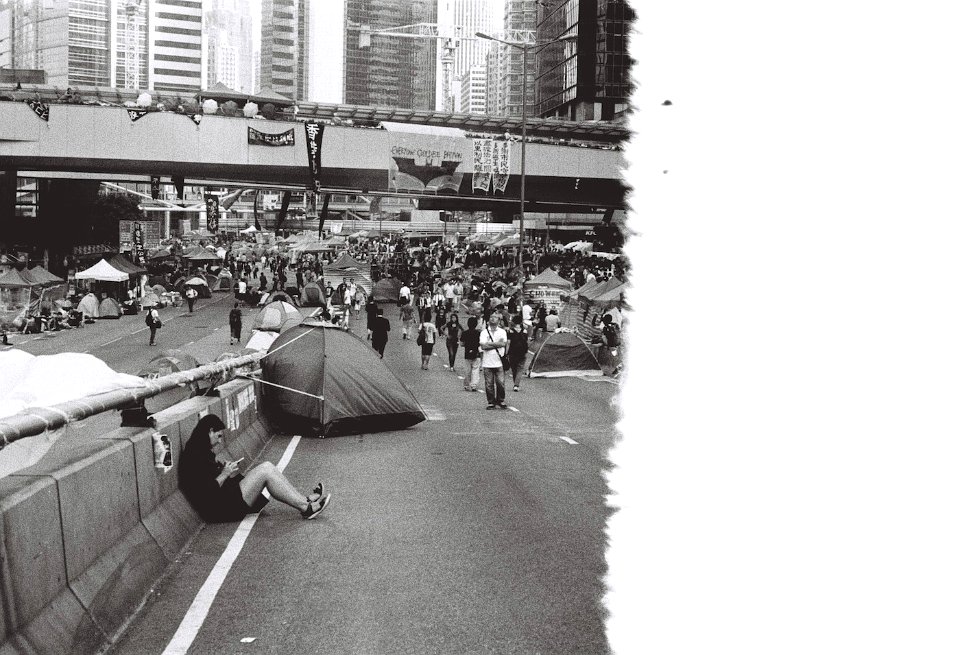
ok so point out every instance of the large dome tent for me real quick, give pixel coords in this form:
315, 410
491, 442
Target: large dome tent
312, 295
89, 306
563, 354
330, 381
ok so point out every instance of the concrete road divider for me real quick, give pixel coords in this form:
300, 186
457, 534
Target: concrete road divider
87, 532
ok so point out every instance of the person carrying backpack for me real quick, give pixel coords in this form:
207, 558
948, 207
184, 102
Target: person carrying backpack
153, 322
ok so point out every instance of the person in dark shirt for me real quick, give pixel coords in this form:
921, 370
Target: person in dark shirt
517, 351
381, 326
221, 494
236, 322
452, 329
371, 308
470, 338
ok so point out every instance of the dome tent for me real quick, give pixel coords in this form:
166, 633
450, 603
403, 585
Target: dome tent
335, 384
277, 316
110, 308
313, 295
563, 354
224, 282
89, 305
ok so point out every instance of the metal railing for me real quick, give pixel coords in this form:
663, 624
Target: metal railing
37, 420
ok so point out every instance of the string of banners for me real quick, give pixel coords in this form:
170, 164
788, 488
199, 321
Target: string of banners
491, 165
256, 137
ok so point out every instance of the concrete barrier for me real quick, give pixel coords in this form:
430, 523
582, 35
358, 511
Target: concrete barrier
88, 531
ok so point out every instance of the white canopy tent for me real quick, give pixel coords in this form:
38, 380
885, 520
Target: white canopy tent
104, 272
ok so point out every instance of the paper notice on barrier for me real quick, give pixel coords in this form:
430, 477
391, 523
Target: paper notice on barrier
26, 452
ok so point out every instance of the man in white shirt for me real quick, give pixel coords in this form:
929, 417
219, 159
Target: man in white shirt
493, 345
405, 292
457, 294
526, 313
448, 294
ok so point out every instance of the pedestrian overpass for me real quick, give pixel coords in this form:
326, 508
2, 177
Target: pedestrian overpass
445, 168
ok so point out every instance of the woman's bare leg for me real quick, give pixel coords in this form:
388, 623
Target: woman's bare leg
267, 475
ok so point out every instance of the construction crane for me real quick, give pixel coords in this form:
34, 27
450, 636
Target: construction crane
449, 37
131, 62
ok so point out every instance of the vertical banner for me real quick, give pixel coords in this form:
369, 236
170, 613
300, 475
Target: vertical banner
314, 141
178, 183
213, 211
155, 186
139, 252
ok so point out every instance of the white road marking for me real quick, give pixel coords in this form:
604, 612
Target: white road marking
459, 377
512, 409
569, 440
434, 414
197, 614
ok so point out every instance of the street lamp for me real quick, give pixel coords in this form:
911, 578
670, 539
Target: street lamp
523, 119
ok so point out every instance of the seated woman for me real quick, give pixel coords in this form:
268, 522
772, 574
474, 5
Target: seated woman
220, 494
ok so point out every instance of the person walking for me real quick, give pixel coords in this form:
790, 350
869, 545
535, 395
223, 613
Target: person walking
426, 338
452, 329
371, 308
493, 344
191, 295
381, 326
153, 322
406, 318
236, 323
470, 338
517, 350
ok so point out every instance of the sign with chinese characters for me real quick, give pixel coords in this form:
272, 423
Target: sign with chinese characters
149, 234
258, 138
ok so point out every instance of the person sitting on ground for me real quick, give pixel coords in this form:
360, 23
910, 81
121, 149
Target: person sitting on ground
221, 494
552, 321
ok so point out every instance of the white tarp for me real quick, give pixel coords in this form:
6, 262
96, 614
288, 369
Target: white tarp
41, 381
102, 271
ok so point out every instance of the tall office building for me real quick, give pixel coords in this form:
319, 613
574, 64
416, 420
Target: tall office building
279, 47
473, 91
6, 36
587, 78
391, 71
69, 39
469, 16
228, 30
177, 51
506, 70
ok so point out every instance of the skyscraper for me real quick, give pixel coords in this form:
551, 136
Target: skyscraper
510, 78
280, 47
391, 71
69, 39
470, 16
473, 91
587, 78
228, 31
131, 46
176, 45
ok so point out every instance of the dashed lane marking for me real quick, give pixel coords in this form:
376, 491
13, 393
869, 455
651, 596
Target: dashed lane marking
569, 440
512, 409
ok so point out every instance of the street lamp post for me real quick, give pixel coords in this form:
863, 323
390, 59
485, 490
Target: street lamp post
524, 47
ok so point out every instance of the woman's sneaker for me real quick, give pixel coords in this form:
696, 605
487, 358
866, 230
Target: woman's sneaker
314, 508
